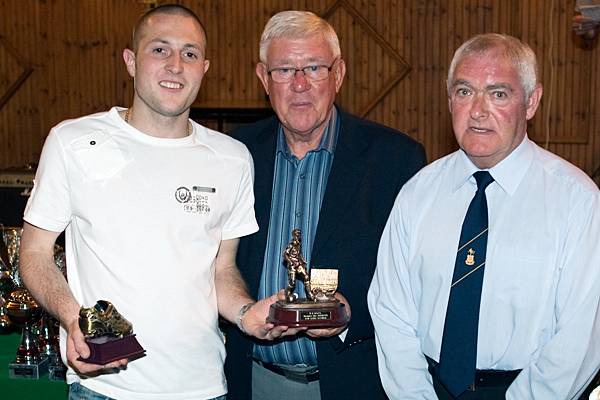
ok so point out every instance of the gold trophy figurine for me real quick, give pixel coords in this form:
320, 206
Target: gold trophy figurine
296, 266
320, 308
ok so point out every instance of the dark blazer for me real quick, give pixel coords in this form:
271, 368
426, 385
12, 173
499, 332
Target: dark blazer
370, 165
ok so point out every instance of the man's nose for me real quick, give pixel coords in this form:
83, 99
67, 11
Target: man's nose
479, 106
299, 81
175, 64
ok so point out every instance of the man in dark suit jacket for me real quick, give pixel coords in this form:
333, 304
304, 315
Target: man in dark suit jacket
333, 175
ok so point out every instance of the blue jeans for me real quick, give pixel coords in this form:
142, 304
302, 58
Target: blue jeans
79, 392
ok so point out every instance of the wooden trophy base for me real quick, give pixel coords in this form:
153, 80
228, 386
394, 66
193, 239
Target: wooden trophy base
308, 313
104, 350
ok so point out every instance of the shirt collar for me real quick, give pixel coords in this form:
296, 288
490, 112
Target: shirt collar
508, 173
328, 140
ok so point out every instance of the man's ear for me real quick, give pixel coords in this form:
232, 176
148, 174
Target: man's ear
534, 101
263, 75
340, 73
129, 58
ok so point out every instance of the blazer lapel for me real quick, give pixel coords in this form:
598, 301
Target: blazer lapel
263, 150
345, 178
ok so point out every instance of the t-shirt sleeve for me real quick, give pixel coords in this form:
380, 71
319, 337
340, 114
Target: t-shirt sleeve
49, 205
242, 221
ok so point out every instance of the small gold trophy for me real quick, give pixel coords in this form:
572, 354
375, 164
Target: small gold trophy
108, 334
320, 309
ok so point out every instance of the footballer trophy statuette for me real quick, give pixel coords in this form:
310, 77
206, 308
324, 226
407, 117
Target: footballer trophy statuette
320, 308
108, 334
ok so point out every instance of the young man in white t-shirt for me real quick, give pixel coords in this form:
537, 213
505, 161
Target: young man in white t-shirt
153, 205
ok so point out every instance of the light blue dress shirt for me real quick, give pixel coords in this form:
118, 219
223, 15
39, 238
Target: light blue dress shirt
541, 288
298, 190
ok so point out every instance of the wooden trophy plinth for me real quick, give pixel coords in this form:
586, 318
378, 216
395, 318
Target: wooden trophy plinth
309, 313
104, 350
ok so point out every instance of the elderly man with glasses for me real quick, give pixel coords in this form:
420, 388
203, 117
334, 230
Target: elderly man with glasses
333, 176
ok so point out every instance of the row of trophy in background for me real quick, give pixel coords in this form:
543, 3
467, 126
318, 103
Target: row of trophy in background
38, 350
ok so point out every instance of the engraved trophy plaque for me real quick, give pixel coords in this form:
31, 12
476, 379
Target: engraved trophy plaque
24, 312
108, 334
320, 309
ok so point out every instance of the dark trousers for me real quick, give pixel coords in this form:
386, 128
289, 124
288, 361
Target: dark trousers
481, 393
492, 385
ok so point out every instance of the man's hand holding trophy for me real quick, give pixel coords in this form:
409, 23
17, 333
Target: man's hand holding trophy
101, 338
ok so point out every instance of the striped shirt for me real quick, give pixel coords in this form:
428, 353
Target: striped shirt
298, 189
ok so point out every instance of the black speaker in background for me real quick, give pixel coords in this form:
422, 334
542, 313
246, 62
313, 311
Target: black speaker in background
15, 188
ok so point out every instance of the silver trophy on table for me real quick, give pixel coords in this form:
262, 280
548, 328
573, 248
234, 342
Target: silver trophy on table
38, 350
6, 286
24, 312
49, 346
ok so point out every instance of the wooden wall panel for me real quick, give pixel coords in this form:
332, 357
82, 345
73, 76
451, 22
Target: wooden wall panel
74, 49
396, 51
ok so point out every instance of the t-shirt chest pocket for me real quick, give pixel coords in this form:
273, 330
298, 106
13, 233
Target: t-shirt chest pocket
98, 155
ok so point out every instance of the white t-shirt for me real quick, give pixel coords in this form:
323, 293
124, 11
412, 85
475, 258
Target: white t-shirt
144, 217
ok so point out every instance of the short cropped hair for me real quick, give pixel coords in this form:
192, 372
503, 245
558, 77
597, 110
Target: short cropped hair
297, 25
169, 9
516, 51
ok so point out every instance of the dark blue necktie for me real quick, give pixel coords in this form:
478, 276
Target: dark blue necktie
458, 356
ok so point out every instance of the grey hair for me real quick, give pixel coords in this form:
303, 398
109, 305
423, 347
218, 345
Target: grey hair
517, 52
297, 25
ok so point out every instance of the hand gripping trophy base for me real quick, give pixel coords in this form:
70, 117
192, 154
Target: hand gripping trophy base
108, 334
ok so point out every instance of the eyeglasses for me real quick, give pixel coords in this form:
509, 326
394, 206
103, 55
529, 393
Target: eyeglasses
311, 72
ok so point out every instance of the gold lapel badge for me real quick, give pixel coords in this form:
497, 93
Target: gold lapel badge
470, 260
